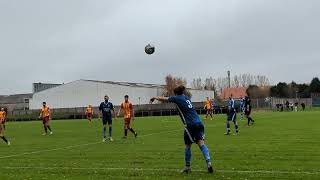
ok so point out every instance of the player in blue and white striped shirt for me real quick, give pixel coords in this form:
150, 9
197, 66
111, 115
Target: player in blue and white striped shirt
194, 128
232, 116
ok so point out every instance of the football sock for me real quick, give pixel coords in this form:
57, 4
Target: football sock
248, 121
125, 132
45, 129
205, 152
132, 131
4, 139
187, 154
49, 128
228, 127
110, 131
237, 128
104, 132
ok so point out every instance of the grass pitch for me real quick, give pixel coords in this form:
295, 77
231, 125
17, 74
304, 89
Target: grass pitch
278, 146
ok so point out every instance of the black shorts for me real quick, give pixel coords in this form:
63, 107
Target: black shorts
107, 120
232, 116
193, 133
248, 111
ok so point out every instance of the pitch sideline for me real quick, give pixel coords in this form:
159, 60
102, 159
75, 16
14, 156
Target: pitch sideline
172, 170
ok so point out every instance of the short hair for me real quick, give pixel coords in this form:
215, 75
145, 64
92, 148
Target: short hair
44, 103
179, 90
126, 96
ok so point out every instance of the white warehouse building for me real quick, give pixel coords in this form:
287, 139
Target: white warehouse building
81, 93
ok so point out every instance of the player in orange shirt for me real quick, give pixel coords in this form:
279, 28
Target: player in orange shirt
208, 107
128, 111
45, 116
3, 115
89, 113
3, 110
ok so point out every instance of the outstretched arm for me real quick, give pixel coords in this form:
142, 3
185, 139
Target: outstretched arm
160, 98
118, 114
40, 115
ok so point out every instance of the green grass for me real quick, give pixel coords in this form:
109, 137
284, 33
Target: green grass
279, 146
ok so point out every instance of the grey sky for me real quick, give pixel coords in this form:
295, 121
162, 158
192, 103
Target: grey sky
65, 40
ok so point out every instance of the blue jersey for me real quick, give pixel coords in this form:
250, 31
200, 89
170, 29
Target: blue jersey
106, 108
242, 103
188, 114
231, 105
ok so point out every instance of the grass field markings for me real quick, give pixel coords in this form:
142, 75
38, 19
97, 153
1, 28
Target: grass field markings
79, 145
169, 170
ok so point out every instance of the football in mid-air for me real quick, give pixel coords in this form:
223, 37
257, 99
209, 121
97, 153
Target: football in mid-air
149, 49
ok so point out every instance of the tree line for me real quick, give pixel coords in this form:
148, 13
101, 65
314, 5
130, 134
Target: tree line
258, 86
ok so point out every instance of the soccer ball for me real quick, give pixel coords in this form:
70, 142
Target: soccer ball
149, 49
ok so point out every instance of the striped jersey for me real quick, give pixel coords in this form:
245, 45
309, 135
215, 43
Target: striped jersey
187, 112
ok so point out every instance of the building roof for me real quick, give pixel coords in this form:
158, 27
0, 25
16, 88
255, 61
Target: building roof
127, 83
13, 99
236, 93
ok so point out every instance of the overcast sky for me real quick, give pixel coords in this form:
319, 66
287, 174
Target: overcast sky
59, 41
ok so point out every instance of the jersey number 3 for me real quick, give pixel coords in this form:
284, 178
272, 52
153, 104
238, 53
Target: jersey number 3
189, 104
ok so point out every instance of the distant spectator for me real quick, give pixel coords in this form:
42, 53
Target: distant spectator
303, 105
296, 106
291, 106
287, 105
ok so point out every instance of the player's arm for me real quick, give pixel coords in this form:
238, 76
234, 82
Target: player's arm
113, 111
40, 115
118, 114
49, 112
160, 98
100, 111
132, 111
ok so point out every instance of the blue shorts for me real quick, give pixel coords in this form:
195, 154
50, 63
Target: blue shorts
232, 116
193, 133
107, 120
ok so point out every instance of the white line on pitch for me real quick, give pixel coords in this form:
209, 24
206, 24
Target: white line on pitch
171, 170
74, 146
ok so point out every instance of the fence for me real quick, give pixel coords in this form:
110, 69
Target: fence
165, 109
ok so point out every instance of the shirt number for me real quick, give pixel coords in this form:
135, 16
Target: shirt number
189, 104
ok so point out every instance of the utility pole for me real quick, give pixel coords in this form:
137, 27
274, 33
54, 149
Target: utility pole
229, 80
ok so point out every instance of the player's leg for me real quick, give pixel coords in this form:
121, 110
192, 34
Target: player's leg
187, 158
199, 137
188, 140
104, 129
131, 129
110, 129
2, 135
241, 114
90, 117
44, 126
234, 120
236, 126
125, 128
228, 124
250, 120
48, 125
211, 114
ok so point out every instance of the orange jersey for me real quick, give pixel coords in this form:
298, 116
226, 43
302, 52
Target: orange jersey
127, 108
2, 115
208, 104
89, 110
45, 111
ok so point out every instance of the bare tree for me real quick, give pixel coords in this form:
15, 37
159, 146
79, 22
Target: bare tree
173, 82
209, 84
197, 84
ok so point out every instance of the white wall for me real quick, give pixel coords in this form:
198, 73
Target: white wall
82, 93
